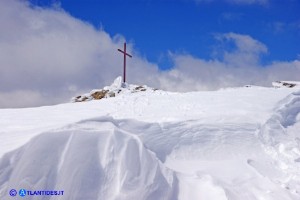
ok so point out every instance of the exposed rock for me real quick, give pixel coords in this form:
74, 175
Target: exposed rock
80, 99
286, 84
99, 94
139, 87
117, 88
84, 98
290, 85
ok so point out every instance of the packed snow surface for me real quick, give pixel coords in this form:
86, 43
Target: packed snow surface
231, 144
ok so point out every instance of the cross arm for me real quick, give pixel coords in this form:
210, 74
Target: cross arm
125, 53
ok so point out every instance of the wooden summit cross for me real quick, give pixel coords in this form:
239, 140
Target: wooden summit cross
125, 54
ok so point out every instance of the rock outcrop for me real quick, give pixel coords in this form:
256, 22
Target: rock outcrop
117, 88
286, 84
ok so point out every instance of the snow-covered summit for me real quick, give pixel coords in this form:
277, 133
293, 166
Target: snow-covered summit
233, 144
115, 89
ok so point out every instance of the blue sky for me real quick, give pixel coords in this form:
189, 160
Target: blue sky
52, 50
186, 26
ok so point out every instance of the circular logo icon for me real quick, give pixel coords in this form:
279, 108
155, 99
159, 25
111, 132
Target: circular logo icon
13, 192
22, 193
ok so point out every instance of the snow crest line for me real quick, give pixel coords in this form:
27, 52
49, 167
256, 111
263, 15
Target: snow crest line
93, 159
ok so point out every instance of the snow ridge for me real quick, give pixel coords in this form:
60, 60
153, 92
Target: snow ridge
281, 138
101, 163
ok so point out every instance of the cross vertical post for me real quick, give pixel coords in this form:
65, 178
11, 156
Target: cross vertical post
125, 54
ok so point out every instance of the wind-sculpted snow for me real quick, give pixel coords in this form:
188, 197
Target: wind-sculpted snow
90, 160
232, 144
202, 139
281, 138
212, 161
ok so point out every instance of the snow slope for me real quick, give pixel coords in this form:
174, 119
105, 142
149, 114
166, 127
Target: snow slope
232, 144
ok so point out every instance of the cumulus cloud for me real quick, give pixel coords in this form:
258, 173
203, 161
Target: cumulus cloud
48, 56
192, 73
238, 65
246, 50
47, 51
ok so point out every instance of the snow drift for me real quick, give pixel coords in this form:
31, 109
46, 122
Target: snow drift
232, 144
88, 162
281, 138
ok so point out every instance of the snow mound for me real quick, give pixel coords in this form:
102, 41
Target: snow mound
286, 84
115, 89
238, 143
100, 163
281, 138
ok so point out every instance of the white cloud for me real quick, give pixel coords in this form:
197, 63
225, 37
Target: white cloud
238, 66
23, 98
247, 50
47, 50
192, 73
48, 56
